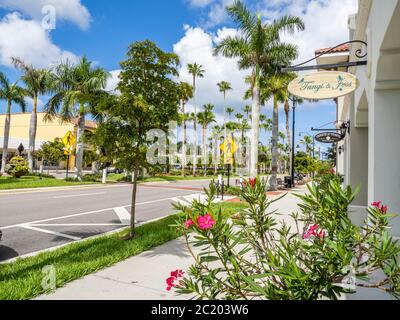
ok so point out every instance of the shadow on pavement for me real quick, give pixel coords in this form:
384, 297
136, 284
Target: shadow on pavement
7, 253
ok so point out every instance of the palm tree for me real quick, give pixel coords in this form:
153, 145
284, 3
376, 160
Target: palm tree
275, 86
216, 134
247, 110
205, 119
307, 142
11, 93
230, 111
36, 83
259, 48
224, 87
74, 87
196, 70
185, 93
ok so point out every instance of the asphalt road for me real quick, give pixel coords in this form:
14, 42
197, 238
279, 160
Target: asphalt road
35, 220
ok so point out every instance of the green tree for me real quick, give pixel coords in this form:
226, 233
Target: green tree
307, 141
36, 83
205, 119
185, 93
11, 93
224, 87
74, 87
259, 48
52, 151
196, 70
149, 99
275, 86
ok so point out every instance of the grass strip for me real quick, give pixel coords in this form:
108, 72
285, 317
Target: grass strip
7, 183
21, 280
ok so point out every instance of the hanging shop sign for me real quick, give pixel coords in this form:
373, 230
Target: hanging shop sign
324, 85
329, 137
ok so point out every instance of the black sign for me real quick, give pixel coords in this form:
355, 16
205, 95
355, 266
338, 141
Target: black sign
329, 137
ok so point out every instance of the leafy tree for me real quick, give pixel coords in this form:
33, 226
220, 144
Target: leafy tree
259, 48
52, 151
196, 70
11, 93
36, 83
149, 99
74, 87
303, 163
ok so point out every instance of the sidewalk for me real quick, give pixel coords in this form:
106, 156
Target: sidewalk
143, 277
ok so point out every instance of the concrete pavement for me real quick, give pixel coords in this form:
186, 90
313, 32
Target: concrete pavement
34, 220
143, 277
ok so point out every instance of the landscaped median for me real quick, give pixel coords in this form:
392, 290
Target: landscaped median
22, 279
28, 182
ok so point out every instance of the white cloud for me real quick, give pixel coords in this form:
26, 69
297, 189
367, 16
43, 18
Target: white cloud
68, 10
325, 21
27, 40
199, 3
197, 46
112, 82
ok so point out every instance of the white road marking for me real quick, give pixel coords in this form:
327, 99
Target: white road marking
123, 215
80, 214
80, 225
63, 235
79, 195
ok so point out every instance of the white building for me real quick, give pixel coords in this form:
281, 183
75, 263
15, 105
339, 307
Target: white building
369, 157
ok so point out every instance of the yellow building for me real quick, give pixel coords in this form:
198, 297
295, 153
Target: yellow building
46, 131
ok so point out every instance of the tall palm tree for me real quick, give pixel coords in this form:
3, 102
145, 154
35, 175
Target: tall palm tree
216, 134
74, 87
275, 86
11, 93
205, 119
230, 111
247, 110
307, 142
36, 83
224, 87
259, 48
185, 93
196, 70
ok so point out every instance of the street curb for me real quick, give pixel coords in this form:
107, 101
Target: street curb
60, 188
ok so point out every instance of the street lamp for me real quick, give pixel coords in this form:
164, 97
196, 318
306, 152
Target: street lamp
294, 100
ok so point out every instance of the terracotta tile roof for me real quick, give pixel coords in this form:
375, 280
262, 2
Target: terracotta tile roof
89, 124
343, 48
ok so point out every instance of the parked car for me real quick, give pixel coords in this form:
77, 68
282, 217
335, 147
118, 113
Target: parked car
115, 170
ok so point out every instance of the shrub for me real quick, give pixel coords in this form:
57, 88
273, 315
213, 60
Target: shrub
254, 256
17, 167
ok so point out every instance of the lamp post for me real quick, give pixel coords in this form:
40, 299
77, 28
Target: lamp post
293, 140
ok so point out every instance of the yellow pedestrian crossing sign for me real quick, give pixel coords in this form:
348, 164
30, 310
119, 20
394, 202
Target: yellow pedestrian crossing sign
67, 152
229, 147
69, 140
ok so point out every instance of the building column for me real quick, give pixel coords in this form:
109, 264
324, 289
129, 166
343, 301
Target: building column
384, 152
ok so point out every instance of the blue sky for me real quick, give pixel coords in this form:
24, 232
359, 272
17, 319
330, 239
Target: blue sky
102, 30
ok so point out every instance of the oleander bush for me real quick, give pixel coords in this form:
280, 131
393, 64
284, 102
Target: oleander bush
17, 167
255, 256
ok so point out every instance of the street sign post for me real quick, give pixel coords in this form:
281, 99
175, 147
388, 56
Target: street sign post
229, 147
69, 141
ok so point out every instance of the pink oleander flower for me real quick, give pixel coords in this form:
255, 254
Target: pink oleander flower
189, 223
253, 182
175, 276
206, 222
312, 231
382, 208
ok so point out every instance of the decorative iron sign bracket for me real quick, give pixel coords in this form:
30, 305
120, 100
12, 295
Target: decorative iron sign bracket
359, 54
